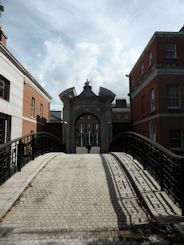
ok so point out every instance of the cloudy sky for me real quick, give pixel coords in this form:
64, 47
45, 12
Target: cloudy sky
64, 42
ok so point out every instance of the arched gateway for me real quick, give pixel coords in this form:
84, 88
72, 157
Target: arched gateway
87, 103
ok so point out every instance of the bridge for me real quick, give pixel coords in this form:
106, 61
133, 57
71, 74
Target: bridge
132, 195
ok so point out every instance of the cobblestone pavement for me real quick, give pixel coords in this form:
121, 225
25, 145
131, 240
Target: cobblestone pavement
79, 199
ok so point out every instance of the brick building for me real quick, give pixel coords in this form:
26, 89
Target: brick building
157, 90
24, 104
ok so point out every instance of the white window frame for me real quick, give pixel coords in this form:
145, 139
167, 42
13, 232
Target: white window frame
41, 111
171, 51
33, 107
152, 100
173, 97
150, 58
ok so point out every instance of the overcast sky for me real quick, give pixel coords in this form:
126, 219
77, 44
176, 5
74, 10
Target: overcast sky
64, 42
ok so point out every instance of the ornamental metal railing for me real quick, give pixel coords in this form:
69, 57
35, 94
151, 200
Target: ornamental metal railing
17, 153
166, 167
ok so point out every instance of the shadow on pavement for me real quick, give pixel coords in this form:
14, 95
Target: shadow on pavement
114, 199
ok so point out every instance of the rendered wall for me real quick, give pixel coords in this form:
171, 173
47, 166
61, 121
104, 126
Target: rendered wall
14, 106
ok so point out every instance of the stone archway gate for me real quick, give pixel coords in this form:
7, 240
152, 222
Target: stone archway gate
87, 103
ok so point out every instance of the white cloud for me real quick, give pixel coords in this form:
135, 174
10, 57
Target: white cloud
65, 66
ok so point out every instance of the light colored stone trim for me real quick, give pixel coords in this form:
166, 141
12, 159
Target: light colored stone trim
33, 120
173, 115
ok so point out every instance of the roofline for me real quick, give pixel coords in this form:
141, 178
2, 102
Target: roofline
156, 34
145, 49
7, 53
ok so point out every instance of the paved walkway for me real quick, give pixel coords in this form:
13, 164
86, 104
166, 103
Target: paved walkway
83, 150
75, 199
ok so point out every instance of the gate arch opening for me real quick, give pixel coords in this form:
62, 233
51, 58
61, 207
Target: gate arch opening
87, 132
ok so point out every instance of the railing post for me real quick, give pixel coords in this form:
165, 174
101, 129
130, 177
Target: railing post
33, 146
20, 155
124, 144
182, 185
161, 170
143, 154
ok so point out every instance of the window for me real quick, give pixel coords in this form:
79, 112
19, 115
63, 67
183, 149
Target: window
142, 69
171, 50
126, 116
153, 130
4, 88
118, 116
150, 59
176, 139
152, 100
33, 108
89, 116
41, 111
173, 96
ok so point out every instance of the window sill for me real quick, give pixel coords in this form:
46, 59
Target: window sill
152, 112
177, 149
172, 58
175, 109
4, 99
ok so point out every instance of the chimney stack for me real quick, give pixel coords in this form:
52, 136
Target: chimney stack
3, 37
121, 103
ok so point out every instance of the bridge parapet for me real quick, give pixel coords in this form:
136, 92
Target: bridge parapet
16, 153
165, 166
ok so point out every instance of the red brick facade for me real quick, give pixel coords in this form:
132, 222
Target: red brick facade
157, 90
34, 123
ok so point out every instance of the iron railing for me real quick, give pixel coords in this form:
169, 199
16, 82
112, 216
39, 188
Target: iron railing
166, 167
16, 153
